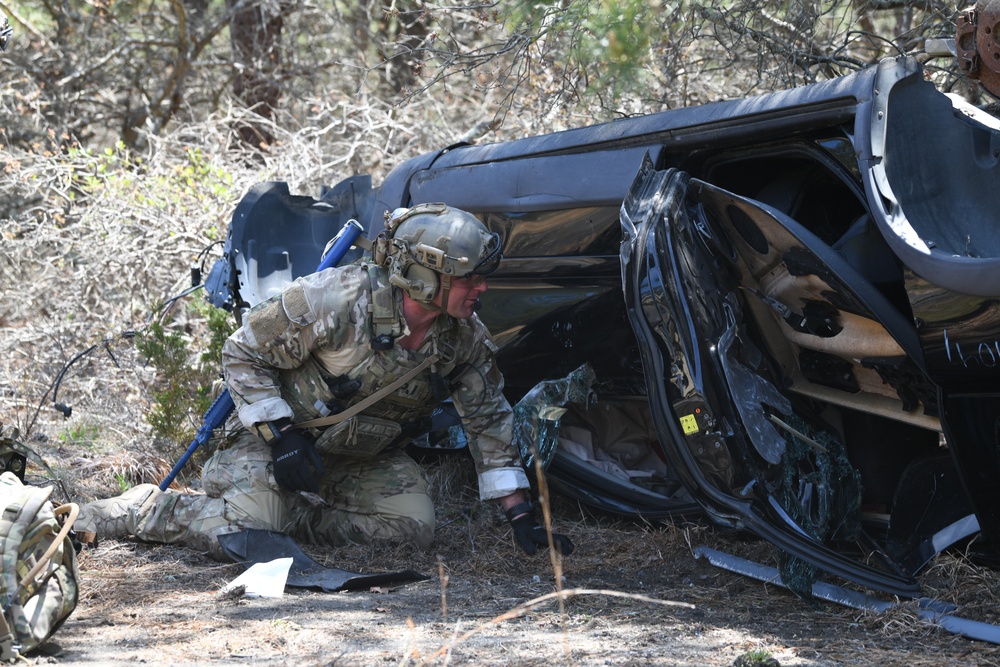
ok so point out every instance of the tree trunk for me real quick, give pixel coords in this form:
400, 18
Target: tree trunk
256, 41
401, 33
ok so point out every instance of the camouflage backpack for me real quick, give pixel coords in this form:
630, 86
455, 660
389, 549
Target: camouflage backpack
38, 586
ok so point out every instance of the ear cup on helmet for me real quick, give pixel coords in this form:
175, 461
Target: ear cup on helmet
421, 283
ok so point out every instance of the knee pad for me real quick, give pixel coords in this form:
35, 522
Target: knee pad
413, 513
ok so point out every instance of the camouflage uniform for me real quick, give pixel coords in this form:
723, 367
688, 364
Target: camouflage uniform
293, 358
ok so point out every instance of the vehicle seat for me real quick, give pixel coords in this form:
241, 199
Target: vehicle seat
864, 248
784, 193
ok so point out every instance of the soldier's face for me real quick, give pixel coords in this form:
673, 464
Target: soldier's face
463, 295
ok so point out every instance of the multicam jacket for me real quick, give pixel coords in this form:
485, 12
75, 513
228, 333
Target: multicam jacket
307, 352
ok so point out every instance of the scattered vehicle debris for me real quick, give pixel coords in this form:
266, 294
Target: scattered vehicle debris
930, 611
282, 555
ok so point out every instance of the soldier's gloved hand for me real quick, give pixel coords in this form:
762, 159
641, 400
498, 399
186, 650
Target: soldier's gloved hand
530, 535
296, 462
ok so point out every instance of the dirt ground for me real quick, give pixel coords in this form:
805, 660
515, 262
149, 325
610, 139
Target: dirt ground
486, 603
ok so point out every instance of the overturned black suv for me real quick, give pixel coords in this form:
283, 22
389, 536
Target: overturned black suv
780, 311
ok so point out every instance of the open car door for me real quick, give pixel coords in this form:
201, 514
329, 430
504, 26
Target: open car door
740, 421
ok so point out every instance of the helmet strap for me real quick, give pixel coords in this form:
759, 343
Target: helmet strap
445, 282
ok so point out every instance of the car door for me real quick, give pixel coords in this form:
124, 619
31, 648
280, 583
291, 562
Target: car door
756, 455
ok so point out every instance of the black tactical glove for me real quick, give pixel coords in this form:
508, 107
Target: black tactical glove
530, 535
295, 460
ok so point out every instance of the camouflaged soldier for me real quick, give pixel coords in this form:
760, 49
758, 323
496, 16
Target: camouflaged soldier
331, 379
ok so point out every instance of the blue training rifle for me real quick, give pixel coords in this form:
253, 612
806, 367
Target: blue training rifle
223, 406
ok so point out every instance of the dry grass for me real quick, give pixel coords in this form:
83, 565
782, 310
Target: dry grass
486, 604
953, 576
122, 577
486, 600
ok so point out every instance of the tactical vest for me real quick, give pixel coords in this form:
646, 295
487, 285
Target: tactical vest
312, 391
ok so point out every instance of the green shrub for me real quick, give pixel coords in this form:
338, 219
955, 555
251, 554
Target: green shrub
185, 378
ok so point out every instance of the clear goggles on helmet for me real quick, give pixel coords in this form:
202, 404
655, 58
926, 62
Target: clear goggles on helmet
490, 260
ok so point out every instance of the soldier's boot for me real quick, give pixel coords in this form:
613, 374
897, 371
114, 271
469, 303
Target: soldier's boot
116, 517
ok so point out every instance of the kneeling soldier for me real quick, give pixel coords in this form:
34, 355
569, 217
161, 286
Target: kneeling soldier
331, 378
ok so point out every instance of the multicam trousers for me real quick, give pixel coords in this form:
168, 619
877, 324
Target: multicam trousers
360, 500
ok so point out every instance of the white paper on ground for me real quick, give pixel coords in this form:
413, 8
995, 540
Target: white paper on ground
263, 580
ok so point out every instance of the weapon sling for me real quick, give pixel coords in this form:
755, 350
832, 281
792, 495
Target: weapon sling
371, 400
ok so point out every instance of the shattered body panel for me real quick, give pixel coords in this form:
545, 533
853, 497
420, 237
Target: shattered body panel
787, 306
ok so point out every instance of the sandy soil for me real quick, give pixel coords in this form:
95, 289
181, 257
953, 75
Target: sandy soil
485, 603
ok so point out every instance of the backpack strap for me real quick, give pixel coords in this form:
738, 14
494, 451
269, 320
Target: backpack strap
19, 509
16, 521
20, 505
73, 510
382, 311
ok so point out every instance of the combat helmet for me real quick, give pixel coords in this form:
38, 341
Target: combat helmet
426, 246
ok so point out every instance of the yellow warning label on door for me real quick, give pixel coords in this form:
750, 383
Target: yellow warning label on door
689, 424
